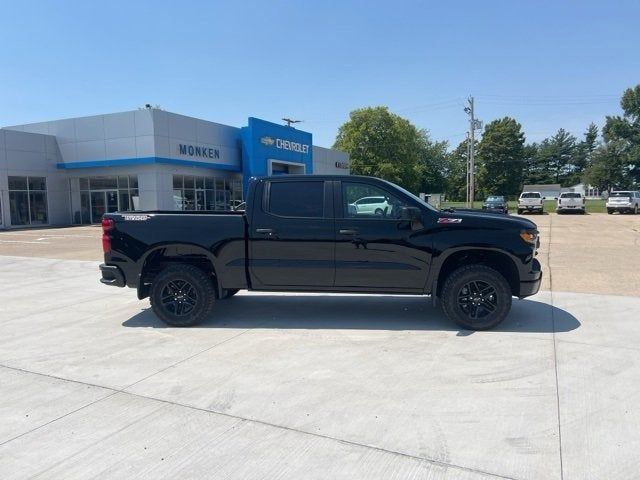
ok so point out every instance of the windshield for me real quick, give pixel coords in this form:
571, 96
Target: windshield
495, 199
570, 195
620, 194
413, 197
530, 195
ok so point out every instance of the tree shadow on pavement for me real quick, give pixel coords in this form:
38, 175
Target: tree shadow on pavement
358, 312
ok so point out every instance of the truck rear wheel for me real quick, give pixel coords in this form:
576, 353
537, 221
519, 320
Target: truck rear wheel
182, 295
476, 297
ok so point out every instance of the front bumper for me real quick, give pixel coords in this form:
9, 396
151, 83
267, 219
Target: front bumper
530, 285
112, 275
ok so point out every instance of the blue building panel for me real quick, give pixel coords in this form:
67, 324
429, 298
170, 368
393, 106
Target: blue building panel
266, 143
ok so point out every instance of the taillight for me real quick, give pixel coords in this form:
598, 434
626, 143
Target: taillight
107, 225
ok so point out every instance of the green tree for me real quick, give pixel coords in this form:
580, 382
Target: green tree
456, 172
583, 154
556, 156
625, 131
608, 170
500, 158
382, 144
534, 171
433, 160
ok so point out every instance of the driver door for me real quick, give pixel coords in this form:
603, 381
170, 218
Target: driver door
378, 251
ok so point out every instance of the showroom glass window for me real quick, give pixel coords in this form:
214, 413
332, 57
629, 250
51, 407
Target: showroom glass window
205, 193
100, 195
28, 200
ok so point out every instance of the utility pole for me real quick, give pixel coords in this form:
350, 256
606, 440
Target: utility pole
468, 172
290, 121
473, 126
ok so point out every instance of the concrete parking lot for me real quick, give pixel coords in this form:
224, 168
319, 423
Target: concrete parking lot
321, 386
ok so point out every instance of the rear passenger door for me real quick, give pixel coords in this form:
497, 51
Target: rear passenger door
292, 235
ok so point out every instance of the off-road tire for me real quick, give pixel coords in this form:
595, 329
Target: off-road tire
453, 297
192, 306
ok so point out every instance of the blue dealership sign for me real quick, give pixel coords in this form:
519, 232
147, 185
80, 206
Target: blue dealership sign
265, 143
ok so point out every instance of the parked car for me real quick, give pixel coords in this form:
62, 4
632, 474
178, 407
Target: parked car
530, 202
372, 206
495, 203
299, 234
571, 202
623, 201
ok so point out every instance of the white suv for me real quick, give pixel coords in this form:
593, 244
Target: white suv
530, 202
570, 202
623, 201
372, 206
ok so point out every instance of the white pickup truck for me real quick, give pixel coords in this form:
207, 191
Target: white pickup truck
530, 202
571, 202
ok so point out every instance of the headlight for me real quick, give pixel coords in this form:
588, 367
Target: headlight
529, 236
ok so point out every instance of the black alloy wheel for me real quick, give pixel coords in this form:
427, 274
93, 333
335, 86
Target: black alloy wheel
179, 297
182, 295
476, 297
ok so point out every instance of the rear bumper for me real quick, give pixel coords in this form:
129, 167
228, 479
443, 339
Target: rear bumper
112, 275
570, 208
530, 207
530, 284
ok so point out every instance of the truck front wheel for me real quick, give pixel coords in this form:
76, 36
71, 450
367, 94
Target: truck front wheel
182, 295
476, 297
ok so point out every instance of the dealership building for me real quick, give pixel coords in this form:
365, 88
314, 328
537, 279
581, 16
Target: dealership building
70, 172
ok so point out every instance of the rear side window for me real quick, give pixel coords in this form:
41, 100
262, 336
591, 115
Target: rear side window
297, 199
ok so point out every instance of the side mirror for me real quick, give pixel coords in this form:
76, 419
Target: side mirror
413, 215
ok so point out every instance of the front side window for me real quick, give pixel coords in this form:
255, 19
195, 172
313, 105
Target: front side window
304, 199
360, 200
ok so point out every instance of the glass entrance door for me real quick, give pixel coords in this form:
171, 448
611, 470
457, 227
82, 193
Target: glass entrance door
103, 201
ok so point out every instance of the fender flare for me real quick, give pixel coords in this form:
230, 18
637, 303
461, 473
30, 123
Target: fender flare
188, 248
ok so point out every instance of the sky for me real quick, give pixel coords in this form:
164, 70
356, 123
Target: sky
548, 64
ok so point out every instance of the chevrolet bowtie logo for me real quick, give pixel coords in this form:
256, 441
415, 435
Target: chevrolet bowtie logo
268, 141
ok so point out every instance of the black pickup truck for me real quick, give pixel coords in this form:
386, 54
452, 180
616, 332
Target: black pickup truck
324, 234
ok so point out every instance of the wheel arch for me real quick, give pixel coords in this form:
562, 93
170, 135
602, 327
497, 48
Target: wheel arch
499, 260
160, 256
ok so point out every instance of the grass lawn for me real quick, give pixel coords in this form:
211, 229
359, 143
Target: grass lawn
593, 206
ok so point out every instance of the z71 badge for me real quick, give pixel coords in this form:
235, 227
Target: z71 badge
449, 220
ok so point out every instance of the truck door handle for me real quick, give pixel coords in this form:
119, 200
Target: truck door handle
265, 230
347, 231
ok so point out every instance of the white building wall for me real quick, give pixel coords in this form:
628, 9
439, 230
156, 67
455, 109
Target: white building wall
26, 154
330, 162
